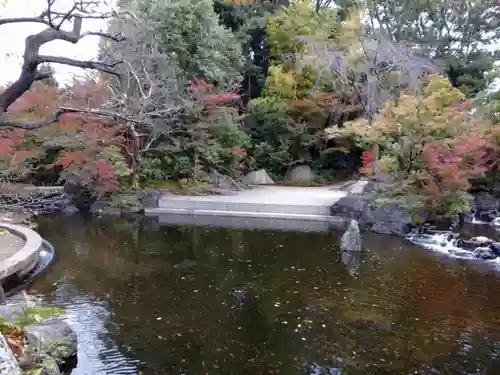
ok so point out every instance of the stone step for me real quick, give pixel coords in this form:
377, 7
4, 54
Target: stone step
229, 205
284, 222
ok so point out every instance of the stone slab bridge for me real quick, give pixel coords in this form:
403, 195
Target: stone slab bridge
263, 207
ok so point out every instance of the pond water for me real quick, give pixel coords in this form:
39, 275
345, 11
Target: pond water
206, 301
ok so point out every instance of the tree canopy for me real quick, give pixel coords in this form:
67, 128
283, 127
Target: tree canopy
186, 86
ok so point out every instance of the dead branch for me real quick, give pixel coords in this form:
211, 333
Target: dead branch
30, 72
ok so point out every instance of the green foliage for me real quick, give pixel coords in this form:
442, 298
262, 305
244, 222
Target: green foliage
295, 101
114, 156
190, 31
295, 21
248, 23
31, 314
431, 143
151, 168
268, 125
487, 103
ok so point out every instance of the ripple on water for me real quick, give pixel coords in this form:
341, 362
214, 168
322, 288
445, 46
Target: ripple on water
89, 318
191, 300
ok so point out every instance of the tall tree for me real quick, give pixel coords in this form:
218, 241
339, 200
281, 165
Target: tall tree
371, 69
178, 60
249, 23
190, 31
463, 34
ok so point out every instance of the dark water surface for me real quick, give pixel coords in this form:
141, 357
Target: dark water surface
205, 301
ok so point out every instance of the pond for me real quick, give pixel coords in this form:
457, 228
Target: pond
206, 301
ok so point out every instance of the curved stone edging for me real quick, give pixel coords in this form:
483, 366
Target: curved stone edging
23, 261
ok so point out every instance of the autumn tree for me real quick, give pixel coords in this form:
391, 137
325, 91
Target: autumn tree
370, 69
431, 142
34, 67
171, 83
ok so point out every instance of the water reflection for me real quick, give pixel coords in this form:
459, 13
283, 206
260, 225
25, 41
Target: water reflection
184, 300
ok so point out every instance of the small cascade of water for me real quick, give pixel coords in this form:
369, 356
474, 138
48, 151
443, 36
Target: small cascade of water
454, 244
495, 223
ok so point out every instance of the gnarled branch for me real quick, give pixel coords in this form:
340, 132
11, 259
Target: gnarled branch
30, 72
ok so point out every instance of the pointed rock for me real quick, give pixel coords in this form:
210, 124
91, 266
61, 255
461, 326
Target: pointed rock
351, 239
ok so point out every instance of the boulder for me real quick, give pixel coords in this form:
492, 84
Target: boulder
150, 197
481, 240
467, 245
11, 311
495, 247
259, 177
486, 216
300, 173
382, 181
104, 207
52, 337
484, 253
486, 202
351, 239
391, 218
354, 207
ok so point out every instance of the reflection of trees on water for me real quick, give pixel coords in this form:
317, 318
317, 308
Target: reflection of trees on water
212, 301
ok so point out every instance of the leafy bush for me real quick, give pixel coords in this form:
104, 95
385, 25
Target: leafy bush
432, 143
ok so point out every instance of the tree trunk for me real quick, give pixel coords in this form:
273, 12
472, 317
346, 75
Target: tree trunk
134, 155
376, 161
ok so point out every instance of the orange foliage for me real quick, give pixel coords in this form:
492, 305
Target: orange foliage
38, 103
88, 93
84, 161
82, 137
13, 151
203, 92
451, 165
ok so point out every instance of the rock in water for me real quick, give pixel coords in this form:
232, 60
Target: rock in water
484, 253
53, 337
495, 247
351, 239
486, 202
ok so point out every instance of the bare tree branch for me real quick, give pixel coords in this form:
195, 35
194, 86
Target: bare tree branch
5, 21
7, 122
30, 72
103, 67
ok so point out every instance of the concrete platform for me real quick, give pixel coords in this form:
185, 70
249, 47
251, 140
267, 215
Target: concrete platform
246, 222
10, 243
24, 259
280, 203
